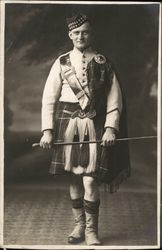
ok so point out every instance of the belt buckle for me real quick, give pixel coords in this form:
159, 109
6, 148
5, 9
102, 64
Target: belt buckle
79, 113
82, 114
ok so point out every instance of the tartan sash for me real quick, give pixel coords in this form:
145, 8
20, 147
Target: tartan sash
81, 91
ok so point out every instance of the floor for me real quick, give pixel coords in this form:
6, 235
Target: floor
41, 215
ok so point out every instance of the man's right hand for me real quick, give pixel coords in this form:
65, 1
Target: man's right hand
47, 139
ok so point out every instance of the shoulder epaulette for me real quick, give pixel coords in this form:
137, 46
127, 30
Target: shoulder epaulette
64, 58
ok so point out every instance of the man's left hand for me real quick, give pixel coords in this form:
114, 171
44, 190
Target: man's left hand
109, 137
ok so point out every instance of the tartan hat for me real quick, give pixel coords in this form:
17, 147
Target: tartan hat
76, 21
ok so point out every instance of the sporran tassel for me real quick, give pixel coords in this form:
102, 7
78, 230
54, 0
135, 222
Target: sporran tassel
69, 136
84, 159
75, 153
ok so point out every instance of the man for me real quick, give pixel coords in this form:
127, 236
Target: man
82, 101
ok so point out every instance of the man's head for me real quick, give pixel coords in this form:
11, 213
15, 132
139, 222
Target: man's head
80, 31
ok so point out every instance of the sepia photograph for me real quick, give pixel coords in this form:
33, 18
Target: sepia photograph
81, 95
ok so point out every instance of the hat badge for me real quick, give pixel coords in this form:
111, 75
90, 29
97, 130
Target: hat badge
100, 59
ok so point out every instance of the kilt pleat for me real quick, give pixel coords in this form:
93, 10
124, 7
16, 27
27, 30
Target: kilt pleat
79, 159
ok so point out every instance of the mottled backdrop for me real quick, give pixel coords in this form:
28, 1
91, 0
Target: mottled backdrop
35, 34
37, 207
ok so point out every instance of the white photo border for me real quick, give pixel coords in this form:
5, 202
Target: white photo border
2, 32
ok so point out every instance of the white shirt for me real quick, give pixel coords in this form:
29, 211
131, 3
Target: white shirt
57, 88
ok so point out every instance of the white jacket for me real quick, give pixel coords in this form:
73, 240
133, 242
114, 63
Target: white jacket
57, 88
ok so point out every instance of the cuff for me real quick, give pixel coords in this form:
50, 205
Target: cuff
112, 120
46, 130
47, 121
113, 129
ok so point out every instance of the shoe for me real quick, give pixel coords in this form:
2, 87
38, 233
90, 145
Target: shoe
78, 234
91, 231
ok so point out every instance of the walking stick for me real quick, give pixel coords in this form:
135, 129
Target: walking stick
62, 143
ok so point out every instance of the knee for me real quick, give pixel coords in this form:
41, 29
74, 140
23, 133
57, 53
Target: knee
76, 189
89, 182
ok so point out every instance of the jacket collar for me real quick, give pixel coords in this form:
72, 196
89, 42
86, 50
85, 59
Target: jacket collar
86, 51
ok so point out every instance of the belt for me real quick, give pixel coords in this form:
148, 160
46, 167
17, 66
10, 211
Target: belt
81, 114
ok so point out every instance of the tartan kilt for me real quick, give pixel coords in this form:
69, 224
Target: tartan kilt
112, 163
61, 123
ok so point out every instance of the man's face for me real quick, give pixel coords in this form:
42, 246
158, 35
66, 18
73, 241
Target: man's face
81, 36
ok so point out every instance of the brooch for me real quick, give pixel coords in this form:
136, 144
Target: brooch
100, 59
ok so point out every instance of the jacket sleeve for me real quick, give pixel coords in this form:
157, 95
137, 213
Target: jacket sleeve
114, 105
51, 94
